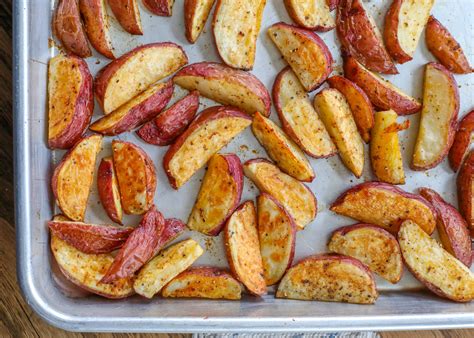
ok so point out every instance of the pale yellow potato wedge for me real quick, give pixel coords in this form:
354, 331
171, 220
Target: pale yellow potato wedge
196, 13
311, 14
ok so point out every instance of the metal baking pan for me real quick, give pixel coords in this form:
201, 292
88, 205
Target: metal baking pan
402, 306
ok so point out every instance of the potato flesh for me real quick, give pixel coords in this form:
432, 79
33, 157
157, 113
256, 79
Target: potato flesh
201, 13
313, 13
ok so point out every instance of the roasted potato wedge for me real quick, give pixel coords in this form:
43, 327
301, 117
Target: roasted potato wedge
336, 115
373, 246
225, 85
385, 205
286, 154
438, 117
160, 7
167, 265
107, 186
305, 52
196, 13
295, 197
462, 140
214, 128
96, 24
465, 185
332, 4
127, 14
329, 278
311, 14
219, 195
433, 266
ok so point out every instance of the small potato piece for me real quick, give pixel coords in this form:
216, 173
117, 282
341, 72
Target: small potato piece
462, 140
373, 246
286, 154
438, 117
167, 265
298, 117
277, 234
127, 14
242, 248
465, 187
335, 113
72, 178
311, 14
96, 23
219, 195
109, 194
203, 282
445, 48
160, 7
136, 177
385, 205
196, 13
305, 52
329, 278
295, 197
433, 266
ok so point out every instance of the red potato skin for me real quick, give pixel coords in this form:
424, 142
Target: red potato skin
294, 17
159, 7
465, 187
124, 11
332, 4
172, 229
390, 33
462, 140
105, 182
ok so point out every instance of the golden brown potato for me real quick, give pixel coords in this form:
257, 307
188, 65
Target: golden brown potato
462, 141
107, 186
311, 14
127, 14
196, 13
465, 187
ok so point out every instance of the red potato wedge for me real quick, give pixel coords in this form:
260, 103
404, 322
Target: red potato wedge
196, 13
305, 52
203, 282
225, 85
127, 14
172, 122
214, 128
295, 197
286, 154
360, 105
135, 112
332, 4
219, 195
277, 234
67, 27
136, 177
236, 25
382, 94
385, 205
242, 248
109, 194
329, 278
462, 140
452, 228
167, 265
433, 266
373, 246
311, 14
96, 24
438, 117
445, 48
160, 7
72, 178
70, 100
335, 113
360, 36
404, 23
465, 187
132, 73
298, 117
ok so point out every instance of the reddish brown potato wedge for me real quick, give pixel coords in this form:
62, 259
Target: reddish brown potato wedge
107, 186
67, 27
332, 4
203, 282
70, 100
134, 72
462, 140
305, 52
329, 278
438, 117
373, 246
445, 48
225, 85
433, 266
311, 14
277, 234
295, 197
465, 185
219, 195
196, 13
286, 154
382, 94
236, 25
385, 205
298, 117
452, 228
336, 115
167, 265
72, 178
208, 133
404, 23
135, 112
87, 270
242, 248
96, 24
360, 105
127, 14
160, 7
171, 123
136, 177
